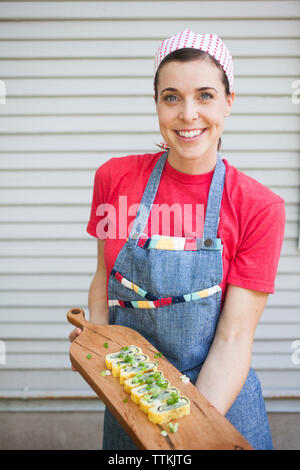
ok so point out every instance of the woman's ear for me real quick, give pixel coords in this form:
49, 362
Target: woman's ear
229, 103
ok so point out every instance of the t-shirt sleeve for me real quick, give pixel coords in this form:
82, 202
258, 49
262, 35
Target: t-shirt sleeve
98, 201
256, 261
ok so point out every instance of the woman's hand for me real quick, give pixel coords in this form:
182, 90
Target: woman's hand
73, 335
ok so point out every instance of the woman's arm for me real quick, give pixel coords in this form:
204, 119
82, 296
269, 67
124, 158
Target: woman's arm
226, 367
97, 299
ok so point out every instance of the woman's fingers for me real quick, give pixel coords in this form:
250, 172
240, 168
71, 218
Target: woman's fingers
73, 335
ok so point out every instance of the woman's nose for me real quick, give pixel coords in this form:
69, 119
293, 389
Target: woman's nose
189, 112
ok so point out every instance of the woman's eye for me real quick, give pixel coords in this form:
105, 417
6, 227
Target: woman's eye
170, 98
206, 94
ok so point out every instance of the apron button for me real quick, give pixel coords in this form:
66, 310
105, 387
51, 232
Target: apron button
208, 242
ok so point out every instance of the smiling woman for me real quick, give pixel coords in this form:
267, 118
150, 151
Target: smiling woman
188, 55
191, 114
198, 297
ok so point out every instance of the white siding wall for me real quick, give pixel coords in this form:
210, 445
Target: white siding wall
78, 79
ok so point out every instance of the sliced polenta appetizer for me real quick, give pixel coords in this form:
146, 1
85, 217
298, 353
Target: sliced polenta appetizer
148, 388
130, 371
169, 410
151, 399
121, 354
140, 378
128, 359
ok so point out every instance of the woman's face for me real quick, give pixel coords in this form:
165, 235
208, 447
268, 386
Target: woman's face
191, 108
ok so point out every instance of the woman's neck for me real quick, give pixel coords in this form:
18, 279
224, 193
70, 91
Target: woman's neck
193, 166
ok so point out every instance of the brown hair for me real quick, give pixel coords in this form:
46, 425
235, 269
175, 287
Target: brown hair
186, 55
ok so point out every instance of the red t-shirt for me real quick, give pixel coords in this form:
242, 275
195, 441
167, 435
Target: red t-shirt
251, 226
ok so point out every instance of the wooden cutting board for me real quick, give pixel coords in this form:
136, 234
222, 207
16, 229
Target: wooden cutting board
203, 429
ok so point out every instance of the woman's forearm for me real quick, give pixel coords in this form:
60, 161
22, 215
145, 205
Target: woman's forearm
97, 299
225, 370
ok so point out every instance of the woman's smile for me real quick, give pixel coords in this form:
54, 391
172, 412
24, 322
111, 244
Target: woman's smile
190, 135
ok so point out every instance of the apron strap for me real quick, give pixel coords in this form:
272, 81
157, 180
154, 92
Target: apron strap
148, 198
214, 203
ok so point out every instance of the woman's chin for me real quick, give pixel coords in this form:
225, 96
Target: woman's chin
188, 153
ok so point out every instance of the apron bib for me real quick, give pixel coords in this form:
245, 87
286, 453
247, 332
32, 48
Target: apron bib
167, 289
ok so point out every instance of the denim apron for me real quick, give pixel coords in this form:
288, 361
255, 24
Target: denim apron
167, 289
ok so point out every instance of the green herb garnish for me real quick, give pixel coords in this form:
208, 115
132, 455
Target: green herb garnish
136, 380
173, 427
158, 355
149, 381
89, 356
161, 383
125, 400
128, 358
103, 372
125, 348
105, 345
173, 399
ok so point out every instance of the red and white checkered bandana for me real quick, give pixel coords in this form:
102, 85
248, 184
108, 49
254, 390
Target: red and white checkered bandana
210, 43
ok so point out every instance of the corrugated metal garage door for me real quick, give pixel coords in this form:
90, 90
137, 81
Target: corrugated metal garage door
78, 78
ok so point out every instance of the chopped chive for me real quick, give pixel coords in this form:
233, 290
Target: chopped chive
105, 345
173, 427
149, 381
158, 355
103, 372
173, 399
125, 400
164, 433
89, 356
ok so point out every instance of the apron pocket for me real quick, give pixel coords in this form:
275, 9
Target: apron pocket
151, 300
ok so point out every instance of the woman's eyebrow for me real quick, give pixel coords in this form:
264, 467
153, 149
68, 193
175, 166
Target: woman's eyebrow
196, 89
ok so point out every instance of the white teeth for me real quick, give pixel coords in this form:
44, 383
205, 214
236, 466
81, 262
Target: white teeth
190, 134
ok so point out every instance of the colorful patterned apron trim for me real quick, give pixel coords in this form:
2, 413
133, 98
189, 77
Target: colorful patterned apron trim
164, 242
153, 301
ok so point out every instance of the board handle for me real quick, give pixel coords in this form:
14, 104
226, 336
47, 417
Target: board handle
76, 317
